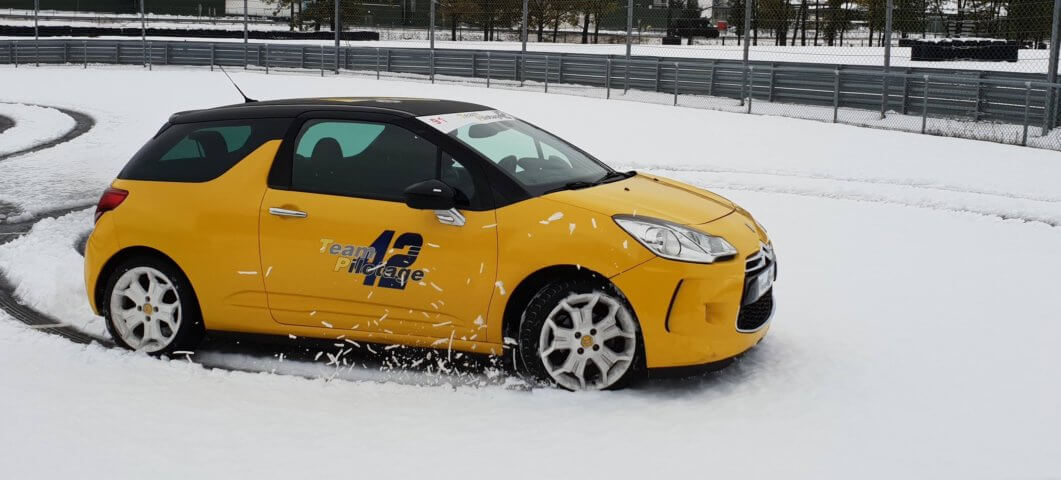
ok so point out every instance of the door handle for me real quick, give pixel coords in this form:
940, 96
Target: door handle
283, 212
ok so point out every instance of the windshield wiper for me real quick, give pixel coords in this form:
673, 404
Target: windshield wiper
615, 175
607, 178
572, 186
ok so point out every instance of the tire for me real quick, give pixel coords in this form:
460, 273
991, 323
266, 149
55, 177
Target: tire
554, 344
169, 322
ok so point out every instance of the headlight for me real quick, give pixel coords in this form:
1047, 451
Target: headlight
676, 242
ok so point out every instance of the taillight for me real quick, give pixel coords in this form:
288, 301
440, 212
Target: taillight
110, 200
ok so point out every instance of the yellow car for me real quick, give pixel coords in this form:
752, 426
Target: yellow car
425, 223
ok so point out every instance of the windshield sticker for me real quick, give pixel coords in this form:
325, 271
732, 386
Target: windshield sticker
453, 121
393, 272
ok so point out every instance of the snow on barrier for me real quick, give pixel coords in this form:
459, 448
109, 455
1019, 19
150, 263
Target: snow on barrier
1007, 107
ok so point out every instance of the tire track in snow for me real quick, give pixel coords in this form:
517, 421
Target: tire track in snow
23, 313
887, 201
913, 184
82, 124
929, 204
6, 123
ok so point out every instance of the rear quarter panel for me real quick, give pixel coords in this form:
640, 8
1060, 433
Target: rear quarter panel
210, 230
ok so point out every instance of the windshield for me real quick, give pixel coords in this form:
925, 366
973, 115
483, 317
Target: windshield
537, 159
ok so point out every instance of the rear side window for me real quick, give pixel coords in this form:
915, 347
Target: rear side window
199, 152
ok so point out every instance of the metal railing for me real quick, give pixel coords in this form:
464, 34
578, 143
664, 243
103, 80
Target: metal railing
942, 101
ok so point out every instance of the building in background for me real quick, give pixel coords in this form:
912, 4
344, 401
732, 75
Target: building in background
256, 8
158, 7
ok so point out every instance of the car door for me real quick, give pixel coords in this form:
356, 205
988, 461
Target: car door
340, 248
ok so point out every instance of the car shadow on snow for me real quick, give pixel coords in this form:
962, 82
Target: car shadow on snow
342, 359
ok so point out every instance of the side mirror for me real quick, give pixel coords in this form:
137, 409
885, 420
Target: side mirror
430, 195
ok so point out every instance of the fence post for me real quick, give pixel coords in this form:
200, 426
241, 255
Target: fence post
36, 32
213, 52
488, 68
906, 91
889, 6
751, 87
322, 59
84, 49
658, 68
546, 74
246, 34
266, 58
629, 34
475, 62
523, 29
339, 29
924, 107
1051, 75
117, 52
66, 53
711, 84
150, 51
377, 63
14, 52
302, 60
747, 31
1027, 106
431, 33
770, 94
836, 95
979, 96
608, 79
388, 60
677, 81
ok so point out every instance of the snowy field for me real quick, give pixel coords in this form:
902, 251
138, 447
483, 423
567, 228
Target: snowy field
915, 335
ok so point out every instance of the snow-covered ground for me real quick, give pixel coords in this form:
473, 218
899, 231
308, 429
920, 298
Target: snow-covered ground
34, 125
915, 334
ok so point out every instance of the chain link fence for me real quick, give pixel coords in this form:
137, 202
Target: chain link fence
981, 69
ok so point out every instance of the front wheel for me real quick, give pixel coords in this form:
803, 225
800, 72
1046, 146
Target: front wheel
151, 307
581, 335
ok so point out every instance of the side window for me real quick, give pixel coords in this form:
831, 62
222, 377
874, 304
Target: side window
456, 175
370, 160
199, 152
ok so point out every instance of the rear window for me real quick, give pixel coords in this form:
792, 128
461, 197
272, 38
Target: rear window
199, 152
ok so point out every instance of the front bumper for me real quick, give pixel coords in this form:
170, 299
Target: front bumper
701, 314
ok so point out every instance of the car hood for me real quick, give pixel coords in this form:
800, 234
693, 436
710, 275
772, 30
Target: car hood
651, 196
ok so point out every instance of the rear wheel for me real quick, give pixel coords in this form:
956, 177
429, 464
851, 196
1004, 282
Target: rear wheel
581, 335
151, 307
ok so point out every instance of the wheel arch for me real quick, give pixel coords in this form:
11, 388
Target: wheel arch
524, 292
122, 255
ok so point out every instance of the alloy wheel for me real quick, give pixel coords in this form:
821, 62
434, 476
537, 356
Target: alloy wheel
588, 341
145, 309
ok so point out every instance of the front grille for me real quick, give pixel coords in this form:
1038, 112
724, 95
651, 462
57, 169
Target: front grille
758, 261
755, 314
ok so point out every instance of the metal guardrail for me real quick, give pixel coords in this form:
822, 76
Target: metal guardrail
1018, 99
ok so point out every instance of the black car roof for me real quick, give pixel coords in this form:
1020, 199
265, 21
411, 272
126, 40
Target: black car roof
293, 107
